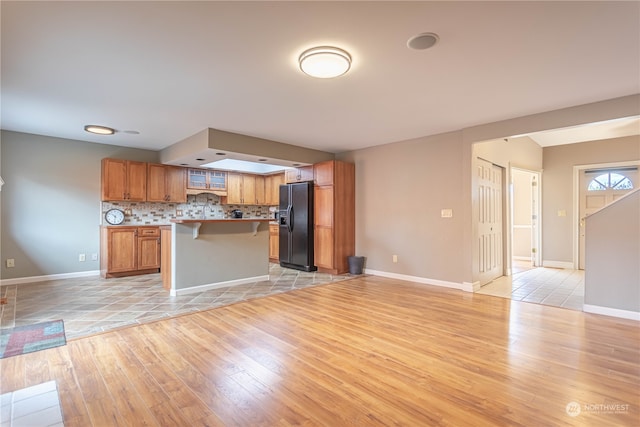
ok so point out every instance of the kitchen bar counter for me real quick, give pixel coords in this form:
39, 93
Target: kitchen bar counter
197, 223
192, 221
212, 253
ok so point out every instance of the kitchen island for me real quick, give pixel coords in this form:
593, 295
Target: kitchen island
211, 253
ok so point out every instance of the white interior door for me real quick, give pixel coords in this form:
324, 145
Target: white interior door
490, 248
598, 188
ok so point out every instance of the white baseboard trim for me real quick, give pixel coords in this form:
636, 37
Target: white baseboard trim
201, 288
465, 286
614, 312
32, 279
557, 264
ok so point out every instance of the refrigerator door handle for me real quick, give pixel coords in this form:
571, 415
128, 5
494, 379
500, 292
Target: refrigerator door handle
290, 216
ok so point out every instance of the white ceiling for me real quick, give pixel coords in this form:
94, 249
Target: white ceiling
171, 69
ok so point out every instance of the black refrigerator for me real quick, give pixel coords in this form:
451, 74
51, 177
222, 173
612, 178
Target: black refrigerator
296, 226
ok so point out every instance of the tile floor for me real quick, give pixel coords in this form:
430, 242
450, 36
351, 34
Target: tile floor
548, 286
38, 405
91, 305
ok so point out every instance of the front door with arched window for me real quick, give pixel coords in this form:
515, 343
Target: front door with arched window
598, 188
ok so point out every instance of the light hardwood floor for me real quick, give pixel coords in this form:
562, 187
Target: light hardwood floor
362, 352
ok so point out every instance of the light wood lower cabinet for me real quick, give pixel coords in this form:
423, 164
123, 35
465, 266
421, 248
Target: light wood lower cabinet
127, 251
274, 243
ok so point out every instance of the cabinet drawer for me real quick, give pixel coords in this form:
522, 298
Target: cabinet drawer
148, 232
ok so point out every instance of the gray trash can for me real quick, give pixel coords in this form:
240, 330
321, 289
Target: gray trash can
355, 264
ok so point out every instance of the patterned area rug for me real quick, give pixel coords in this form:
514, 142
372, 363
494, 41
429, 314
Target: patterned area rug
30, 338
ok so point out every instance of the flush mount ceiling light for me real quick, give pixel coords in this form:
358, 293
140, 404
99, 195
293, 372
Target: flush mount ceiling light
423, 41
100, 130
324, 62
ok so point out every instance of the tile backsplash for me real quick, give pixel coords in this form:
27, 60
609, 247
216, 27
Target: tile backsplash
201, 206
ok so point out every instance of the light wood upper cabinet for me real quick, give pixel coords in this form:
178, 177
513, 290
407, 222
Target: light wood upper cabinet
272, 185
124, 180
244, 189
206, 180
166, 183
304, 173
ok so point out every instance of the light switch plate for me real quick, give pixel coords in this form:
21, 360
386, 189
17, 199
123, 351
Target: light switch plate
446, 213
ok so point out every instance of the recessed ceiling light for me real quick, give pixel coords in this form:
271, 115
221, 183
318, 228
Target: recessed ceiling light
221, 154
423, 41
325, 62
131, 132
200, 160
99, 130
262, 160
184, 164
296, 164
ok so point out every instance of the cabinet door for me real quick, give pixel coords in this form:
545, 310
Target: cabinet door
175, 187
114, 179
260, 190
217, 180
136, 181
323, 173
274, 243
156, 177
234, 189
323, 209
304, 173
249, 189
197, 179
291, 175
323, 247
121, 250
272, 189
148, 252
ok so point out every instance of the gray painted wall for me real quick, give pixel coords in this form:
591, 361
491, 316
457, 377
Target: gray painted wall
400, 191
557, 187
223, 251
51, 202
612, 277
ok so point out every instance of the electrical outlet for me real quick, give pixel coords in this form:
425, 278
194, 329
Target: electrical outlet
11, 262
179, 212
94, 257
446, 213
395, 258
82, 257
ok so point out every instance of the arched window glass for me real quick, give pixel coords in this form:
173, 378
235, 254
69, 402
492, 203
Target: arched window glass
611, 180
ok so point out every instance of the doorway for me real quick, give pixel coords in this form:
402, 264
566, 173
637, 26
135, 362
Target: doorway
525, 219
